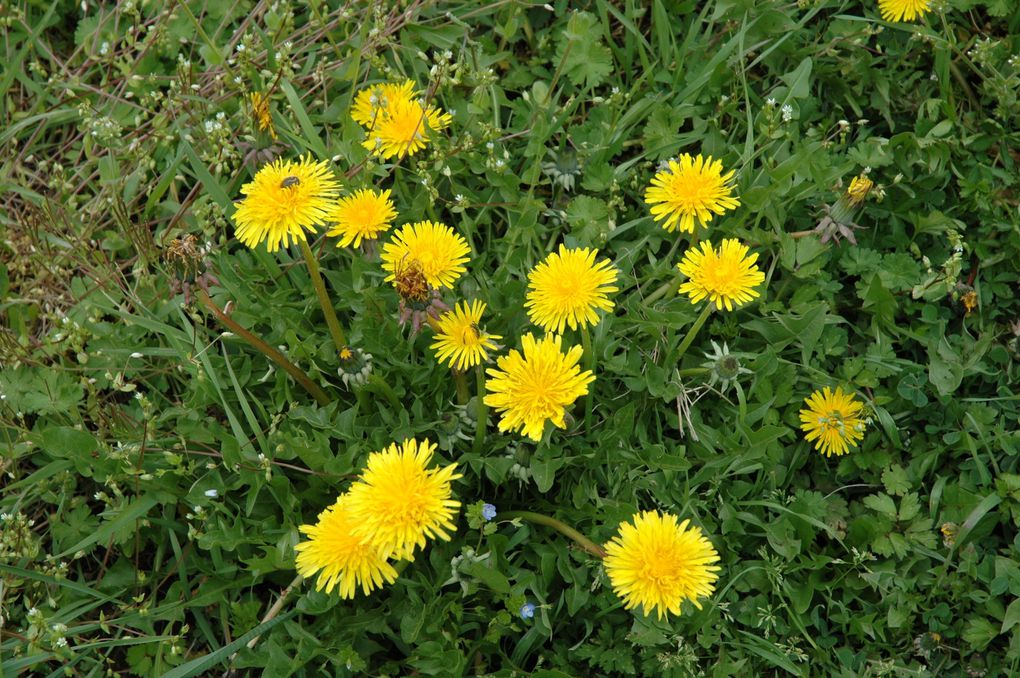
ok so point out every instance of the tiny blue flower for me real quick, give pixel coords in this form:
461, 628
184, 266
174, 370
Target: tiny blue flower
527, 610
488, 511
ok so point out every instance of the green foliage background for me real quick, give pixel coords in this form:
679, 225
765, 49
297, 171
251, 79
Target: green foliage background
127, 125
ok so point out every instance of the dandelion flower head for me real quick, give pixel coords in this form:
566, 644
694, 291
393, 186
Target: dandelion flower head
260, 111
284, 200
656, 563
858, 190
690, 188
568, 287
399, 501
903, 10
536, 386
832, 420
340, 557
371, 103
725, 276
396, 119
459, 340
363, 215
435, 248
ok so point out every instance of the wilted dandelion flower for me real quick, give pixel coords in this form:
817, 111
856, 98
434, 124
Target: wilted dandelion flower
833, 421
838, 219
726, 276
340, 557
656, 563
362, 215
399, 502
903, 10
260, 112
537, 386
688, 188
568, 287
284, 200
396, 120
459, 340
436, 249
859, 188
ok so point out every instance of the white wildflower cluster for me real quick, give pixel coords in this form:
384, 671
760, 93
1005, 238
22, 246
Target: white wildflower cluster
102, 129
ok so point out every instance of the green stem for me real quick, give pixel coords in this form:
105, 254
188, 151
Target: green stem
379, 385
589, 362
561, 527
670, 284
481, 409
272, 612
267, 350
324, 301
693, 332
460, 381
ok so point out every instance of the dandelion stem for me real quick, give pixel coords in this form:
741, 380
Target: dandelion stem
693, 332
379, 384
670, 284
324, 301
281, 360
481, 409
460, 381
561, 527
589, 362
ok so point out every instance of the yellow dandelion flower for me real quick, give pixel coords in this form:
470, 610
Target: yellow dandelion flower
537, 386
339, 556
260, 111
284, 200
399, 502
396, 119
404, 129
726, 276
903, 10
371, 103
568, 287
436, 249
691, 187
459, 341
833, 421
656, 563
363, 215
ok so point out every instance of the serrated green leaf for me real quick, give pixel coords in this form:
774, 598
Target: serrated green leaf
882, 503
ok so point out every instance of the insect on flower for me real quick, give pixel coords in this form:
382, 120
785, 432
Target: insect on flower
409, 280
290, 181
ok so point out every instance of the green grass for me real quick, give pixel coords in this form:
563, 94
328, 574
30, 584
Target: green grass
126, 402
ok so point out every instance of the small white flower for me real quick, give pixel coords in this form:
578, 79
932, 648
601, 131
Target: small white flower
770, 102
787, 111
212, 494
136, 354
